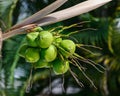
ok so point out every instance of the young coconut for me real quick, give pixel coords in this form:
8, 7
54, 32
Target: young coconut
42, 63
67, 48
45, 39
60, 66
32, 39
32, 55
50, 53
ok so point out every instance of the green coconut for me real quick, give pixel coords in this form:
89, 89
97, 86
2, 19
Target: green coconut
67, 48
32, 55
50, 53
45, 39
60, 66
32, 39
42, 63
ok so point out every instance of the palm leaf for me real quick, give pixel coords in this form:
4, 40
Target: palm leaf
97, 37
107, 37
115, 31
6, 11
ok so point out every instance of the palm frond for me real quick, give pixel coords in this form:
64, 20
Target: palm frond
115, 31
6, 11
99, 36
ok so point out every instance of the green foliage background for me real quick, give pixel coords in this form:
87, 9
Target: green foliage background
14, 71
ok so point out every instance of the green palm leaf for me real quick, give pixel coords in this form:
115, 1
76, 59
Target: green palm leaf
6, 12
97, 33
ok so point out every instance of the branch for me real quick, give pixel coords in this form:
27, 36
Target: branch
40, 14
76, 10
21, 30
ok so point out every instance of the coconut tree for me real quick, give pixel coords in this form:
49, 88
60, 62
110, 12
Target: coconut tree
15, 71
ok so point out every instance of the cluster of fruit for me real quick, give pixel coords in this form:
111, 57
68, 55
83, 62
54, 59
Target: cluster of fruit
43, 49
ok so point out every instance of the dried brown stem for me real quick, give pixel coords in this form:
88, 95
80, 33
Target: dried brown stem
76, 10
40, 14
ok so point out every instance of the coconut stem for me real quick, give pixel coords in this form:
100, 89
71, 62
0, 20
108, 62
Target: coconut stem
60, 16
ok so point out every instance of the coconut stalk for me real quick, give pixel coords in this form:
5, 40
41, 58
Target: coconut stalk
43, 20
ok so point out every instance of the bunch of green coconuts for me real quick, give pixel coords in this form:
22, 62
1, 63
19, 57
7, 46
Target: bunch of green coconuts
44, 49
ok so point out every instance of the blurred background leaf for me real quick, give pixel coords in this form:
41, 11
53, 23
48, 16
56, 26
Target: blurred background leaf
6, 12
